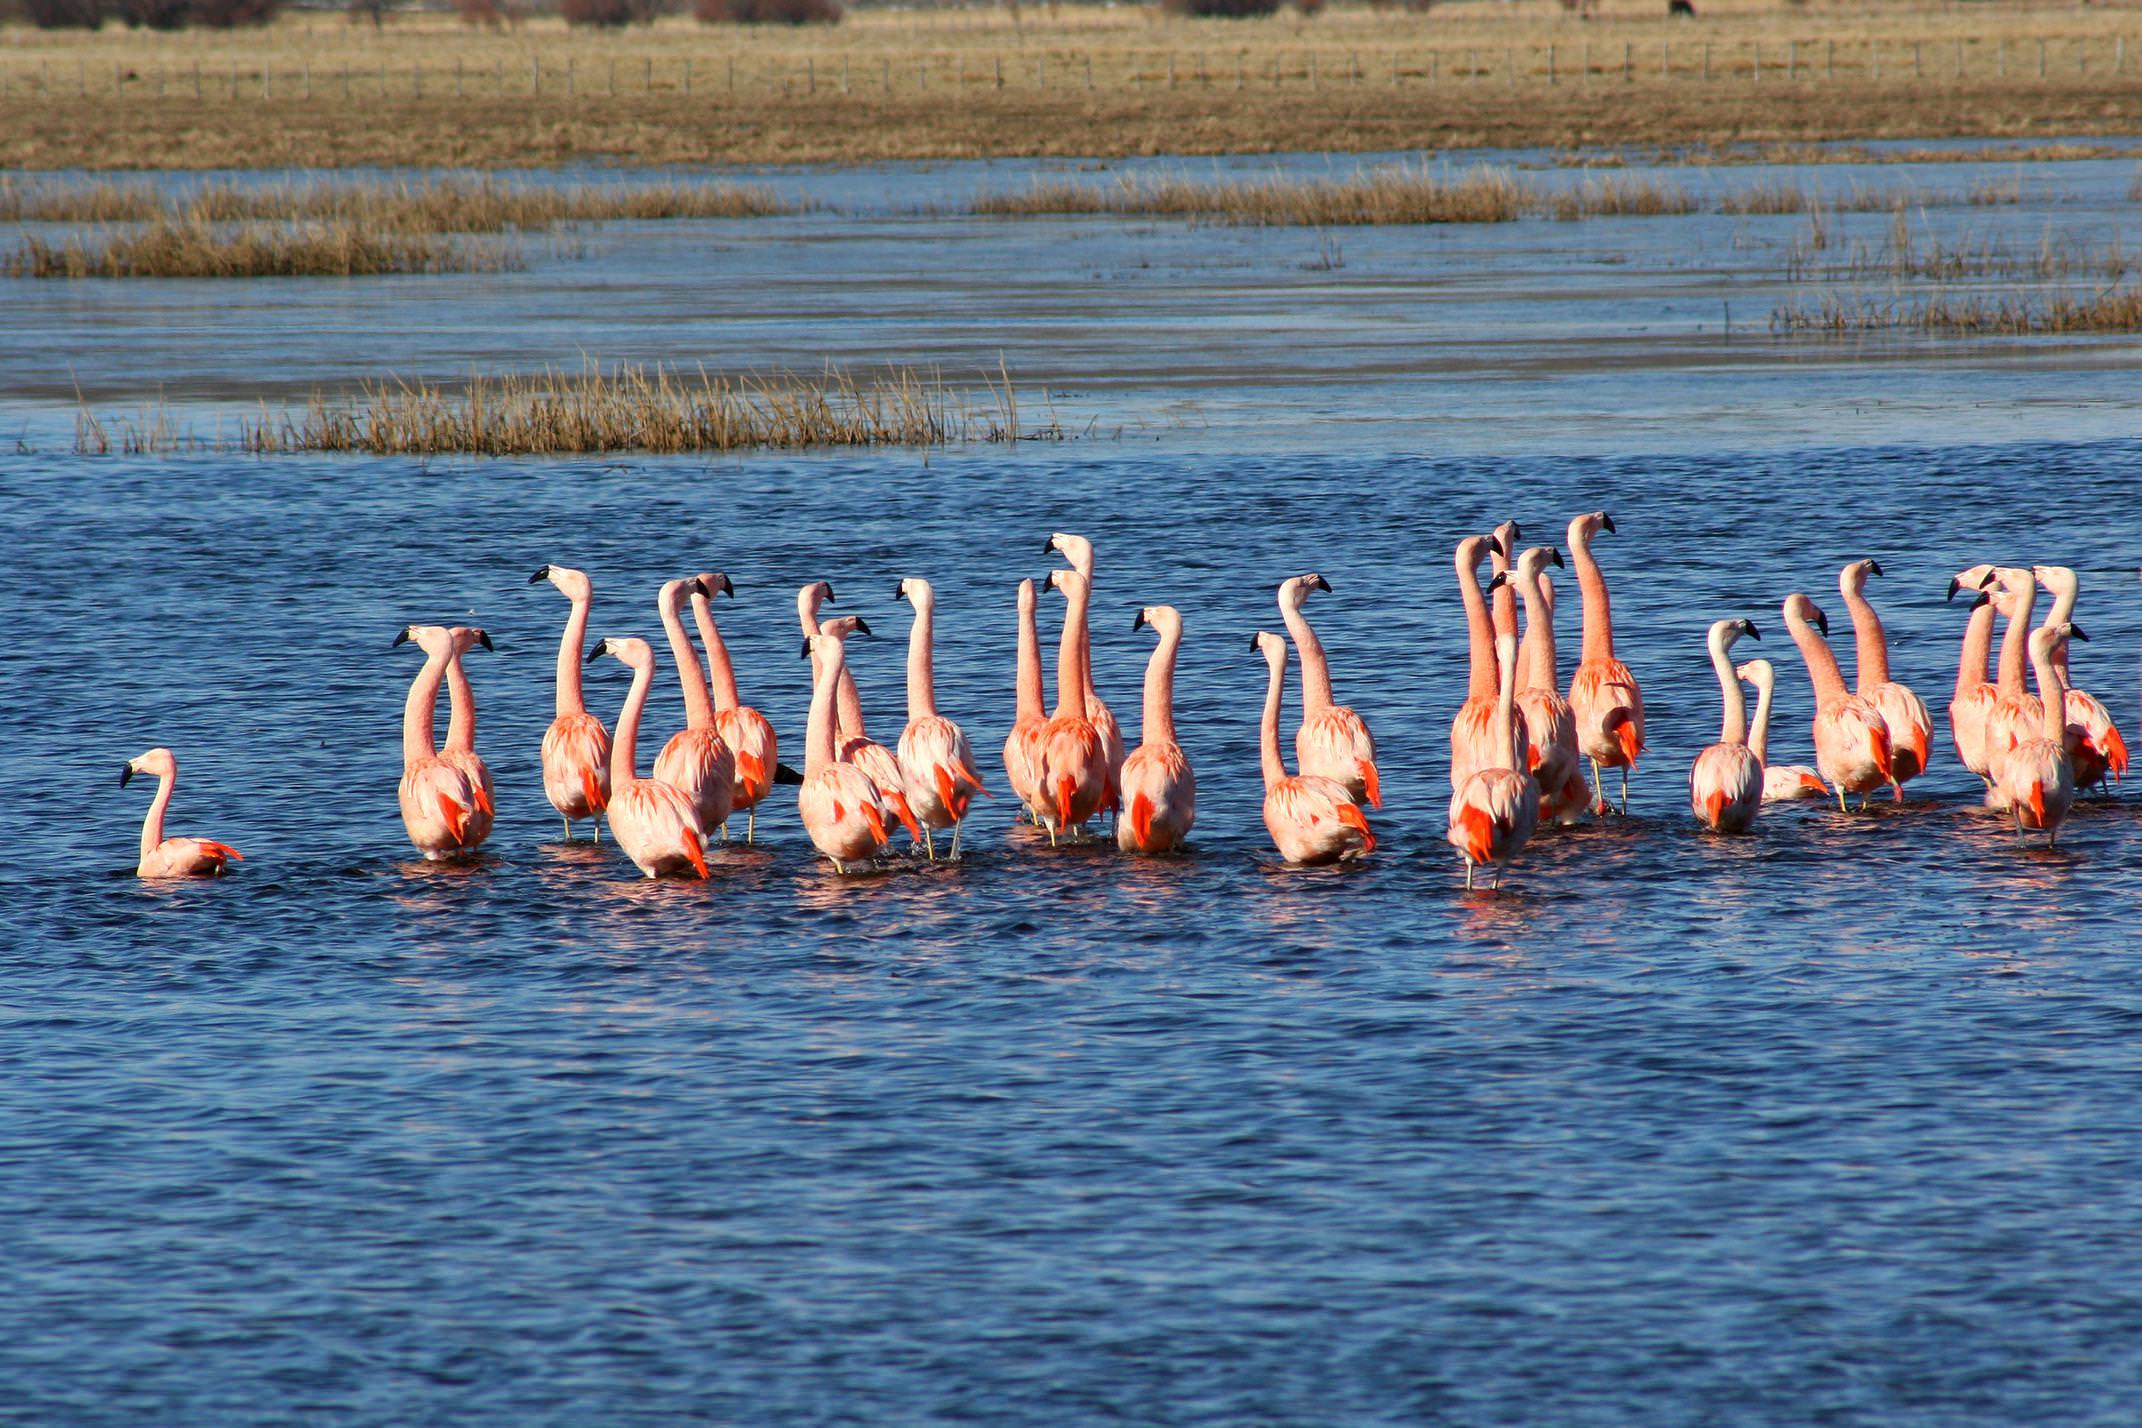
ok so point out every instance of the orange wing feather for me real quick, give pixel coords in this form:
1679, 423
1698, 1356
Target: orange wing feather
1352, 816
693, 851
1370, 787
1478, 830
1141, 819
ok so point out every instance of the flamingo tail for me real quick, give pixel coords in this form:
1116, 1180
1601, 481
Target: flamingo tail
457, 817
694, 851
1370, 786
2037, 802
1714, 804
906, 815
223, 850
876, 820
591, 789
1477, 830
1141, 819
1351, 815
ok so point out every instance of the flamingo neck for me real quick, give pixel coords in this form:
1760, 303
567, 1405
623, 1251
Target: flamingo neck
1275, 771
460, 708
1084, 567
623, 743
921, 684
1031, 698
721, 674
1977, 646
1870, 646
1505, 598
1160, 688
1480, 635
1506, 713
1735, 728
848, 706
1071, 679
152, 827
698, 709
2015, 643
2052, 696
421, 712
1539, 655
1759, 735
1821, 661
1316, 670
570, 654
1598, 612
818, 735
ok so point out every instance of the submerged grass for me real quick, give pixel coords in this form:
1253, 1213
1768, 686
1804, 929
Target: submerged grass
194, 249
2117, 310
1379, 196
1616, 196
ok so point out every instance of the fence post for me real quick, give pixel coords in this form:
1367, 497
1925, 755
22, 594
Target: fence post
119, 80
647, 80
1792, 59
1587, 66
1755, 66
2000, 59
1089, 72
688, 76
2041, 59
1550, 63
572, 66
1628, 61
613, 79
1312, 69
1472, 64
1875, 48
1666, 59
1706, 61
1959, 58
1394, 69
1915, 70
457, 78
416, 82
810, 74
1509, 68
234, 80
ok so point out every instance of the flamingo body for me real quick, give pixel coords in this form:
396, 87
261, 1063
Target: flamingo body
697, 763
2093, 740
658, 826
940, 765
1336, 744
576, 766
1493, 816
754, 751
162, 857
1159, 799
1725, 788
843, 813
1314, 820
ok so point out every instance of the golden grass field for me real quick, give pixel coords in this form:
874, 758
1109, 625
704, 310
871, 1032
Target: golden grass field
1075, 80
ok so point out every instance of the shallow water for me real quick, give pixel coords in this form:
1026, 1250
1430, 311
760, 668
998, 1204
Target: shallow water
1832, 1123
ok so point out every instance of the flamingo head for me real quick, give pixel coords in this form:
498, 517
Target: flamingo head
1163, 618
636, 654
1978, 577
1584, 527
1758, 672
1504, 549
1853, 578
2057, 579
712, 583
1272, 647
1075, 548
572, 584
1798, 606
435, 640
1294, 592
1725, 633
1068, 581
1529, 563
157, 763
917, 592
465, 638
1027, 597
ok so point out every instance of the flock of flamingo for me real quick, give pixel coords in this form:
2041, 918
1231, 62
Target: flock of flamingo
1519, 746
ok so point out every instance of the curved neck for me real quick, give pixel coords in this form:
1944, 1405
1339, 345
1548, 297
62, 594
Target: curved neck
1870, 647
2052, 695
1506, 707
1160, 689
1822, 667
721, 675
1735, 728
1505, 598
698, 710
1591, 588
1031, 697
921, 687
1268, 730
818, 735
460, 707
848, 704
1977, 645
1759, 735
152, 827
622, 743
1084, 566
1316, 672
1539, 656
2015, 643
419, 714
570, 654
1071, 683
2063, 609
1480, 636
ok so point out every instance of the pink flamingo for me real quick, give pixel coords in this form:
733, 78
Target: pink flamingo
1473, 741
1503, 601
933, 749
1603, 696
1551, 729
1312, 818
1074, 757
1851, 737
2016, 714
460, 750
754, 749
163, 857
1022, 750
576, 747
438, 802
1725, 784
852, 741
1493, 814
1911, 727
695, 761
2094, 742
1079, 551
1975, 693
2036, 782
839, 804
1782, 783
1333, 742
656, 823
1159, 790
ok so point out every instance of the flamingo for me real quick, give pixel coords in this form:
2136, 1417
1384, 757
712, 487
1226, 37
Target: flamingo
163, 857
1074, 757
576, 747
1551, 730
1911, 727
933, 749
1502, 559
1473, 740
1603, 695
1725, 784
839, 804
2015, 715
1079, 551
1159, 790
1975, 694
852, 741
753, 747
1782, 783
695, 761
2094, 741
1492, 816
438, 801
2037, 778
1312, 818
1022, 750
460, 750
1332, 741
1851, 737
656, 823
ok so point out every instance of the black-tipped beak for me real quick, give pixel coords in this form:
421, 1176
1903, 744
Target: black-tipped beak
1139, 622
695, 587
1048, 545
1983, 599
1988, 578
830, 598
1747, 627
1607, 524
1874, 567
1496, 582
862, 628
728, 587
125, 774
782, 773
1555, 555
1954, 586
1323, 584
400, 636
1253, 644
806, 648
899, 592
1822, 623
595, 650
485, 640
1496, 546
2075, 632
540, 576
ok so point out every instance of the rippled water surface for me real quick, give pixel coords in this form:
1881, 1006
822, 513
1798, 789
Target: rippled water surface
1834, 1123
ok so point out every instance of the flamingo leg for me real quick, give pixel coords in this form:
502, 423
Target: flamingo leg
725, 830
568, 828
751, 826
598, 827
1468, 875
1598, 787
1624, 797
1841, 807
957, 824
838, 866
1052, 835
1497, 887
929, 843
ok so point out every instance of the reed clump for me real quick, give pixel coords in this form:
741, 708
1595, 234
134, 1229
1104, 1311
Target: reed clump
1395, 195
1968, 314
1621, 196
188, 249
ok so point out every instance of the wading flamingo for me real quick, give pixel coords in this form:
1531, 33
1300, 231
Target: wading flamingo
1975, 694
1502, 559
1333, 741
1492, 816
753, 748
839, 805
1851, 737
656, 823
438, 802
2016, 714
1725, 784
576, 747
1782, 783
852, 743
933, 750
2094, 742
1022, 750
696, 761
1911, 727
1550, 728
1074, 759
163, 857
1159, 790
2037, 779
1603, 697
1312, 818
1079, 551
1473, 740
460, 750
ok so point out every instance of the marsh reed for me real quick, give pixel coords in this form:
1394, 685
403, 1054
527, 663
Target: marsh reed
193, 249
2116, 310
1399, 194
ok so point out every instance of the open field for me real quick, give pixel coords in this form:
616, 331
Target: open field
314, 91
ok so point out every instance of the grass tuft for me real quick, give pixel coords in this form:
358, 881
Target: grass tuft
1619, 196
1388, 195
191, 249
1969, 314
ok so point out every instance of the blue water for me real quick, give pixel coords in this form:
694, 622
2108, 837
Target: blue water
1835, 1123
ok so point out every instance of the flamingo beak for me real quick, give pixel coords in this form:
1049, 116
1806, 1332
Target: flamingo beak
806, 648
1495, 545
863, 629
484, 639
727, 587
1253, 642
1954, 586
1822, 623
1606, 523
402, 635
2075, 632
1323, 584
540, 576
1555, 555
1139, 623
1496, 582
598, 650
1983, 599
830, 600
125, 774
1874, 567
1747, 627
899, 592
1048, 545
695, 587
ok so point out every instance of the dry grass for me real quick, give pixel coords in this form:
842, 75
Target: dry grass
455, 205
1781, 197
1616, 196
188, 249
1909, 254
1388, 195
2117, 310
1071, 80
